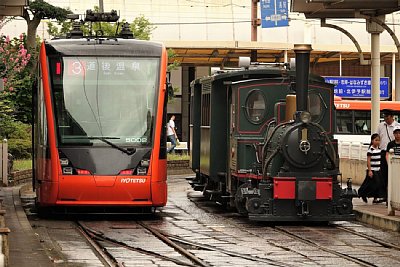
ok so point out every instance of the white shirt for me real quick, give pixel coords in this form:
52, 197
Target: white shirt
171, 125
385, 132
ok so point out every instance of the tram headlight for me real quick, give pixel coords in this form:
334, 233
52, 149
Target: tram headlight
141, 170
145, 163
67, 170
305, 117
64, 161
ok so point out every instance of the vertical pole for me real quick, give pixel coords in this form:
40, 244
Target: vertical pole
394, 77
254, 20
375, 81
285, 56
397, 81
101, 6
4, 163
340, 64
254, 25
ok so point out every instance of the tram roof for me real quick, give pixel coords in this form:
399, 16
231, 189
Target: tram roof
227, 53
111, 46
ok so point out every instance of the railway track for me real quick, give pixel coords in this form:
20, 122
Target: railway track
378, 252
186, 248
379, 241
97, 240
312, 243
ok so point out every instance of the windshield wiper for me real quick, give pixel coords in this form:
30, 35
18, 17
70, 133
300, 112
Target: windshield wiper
104, 139
129, 151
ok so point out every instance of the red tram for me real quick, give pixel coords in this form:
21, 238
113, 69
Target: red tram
99, 116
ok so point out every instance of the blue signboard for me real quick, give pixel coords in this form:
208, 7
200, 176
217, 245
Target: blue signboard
357, 87
274, 13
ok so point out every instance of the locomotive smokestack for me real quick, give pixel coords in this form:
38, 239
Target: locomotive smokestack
302, 70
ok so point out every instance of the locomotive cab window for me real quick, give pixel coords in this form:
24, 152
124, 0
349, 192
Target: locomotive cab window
255, 106
317, 107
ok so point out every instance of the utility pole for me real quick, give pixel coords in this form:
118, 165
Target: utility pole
101, 6
255, 22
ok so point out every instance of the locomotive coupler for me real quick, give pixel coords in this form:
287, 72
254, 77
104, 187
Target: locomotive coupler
349, 192
304, 209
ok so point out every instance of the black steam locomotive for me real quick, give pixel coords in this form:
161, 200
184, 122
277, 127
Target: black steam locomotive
262, 141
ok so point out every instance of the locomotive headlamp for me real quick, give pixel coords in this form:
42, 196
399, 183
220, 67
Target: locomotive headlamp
305, 117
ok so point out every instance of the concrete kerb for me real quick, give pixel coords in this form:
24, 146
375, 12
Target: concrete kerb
382, 221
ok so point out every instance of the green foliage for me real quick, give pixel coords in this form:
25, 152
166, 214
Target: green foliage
16, 70
142, 28
42, 9
172, 157
20, 131
62, 29
20, 148
171, 57
22, 164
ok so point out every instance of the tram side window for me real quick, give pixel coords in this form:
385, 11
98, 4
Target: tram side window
362, 122
344, 120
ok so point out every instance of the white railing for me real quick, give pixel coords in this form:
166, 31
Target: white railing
352, 150
183, 146
393, 183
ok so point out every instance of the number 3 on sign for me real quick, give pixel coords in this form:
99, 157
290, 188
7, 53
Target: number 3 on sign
76, 68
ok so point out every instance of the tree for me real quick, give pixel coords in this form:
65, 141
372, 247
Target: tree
15, 70
35, 12
141, 27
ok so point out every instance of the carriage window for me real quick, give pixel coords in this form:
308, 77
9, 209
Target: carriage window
344, 120
255, 106
362, 122
315, 107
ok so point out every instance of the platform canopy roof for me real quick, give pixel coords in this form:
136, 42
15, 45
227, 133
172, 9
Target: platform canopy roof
227, 53
12, 7
344, 8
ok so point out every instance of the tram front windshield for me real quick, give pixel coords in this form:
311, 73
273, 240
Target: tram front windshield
110, 98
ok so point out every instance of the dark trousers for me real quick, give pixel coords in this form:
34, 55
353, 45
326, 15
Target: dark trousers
384, 171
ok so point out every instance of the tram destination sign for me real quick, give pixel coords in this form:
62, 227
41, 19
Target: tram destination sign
357, 87
274, 13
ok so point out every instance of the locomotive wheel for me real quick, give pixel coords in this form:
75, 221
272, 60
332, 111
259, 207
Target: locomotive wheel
253, 205
345, 206
240, 201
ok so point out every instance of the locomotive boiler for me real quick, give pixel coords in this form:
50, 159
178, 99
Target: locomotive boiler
262, 142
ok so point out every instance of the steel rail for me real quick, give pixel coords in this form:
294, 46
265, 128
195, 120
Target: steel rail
101, 237
371, 238
106, 257
311, 243
172, 244
230, 253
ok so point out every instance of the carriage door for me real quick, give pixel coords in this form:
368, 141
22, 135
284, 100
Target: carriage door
232, 141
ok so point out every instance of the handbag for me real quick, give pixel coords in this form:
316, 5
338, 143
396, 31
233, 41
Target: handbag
177, 142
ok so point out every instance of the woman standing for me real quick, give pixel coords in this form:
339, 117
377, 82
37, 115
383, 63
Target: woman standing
373, 184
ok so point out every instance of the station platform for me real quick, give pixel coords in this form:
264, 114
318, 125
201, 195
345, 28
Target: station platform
376, 214
25, 247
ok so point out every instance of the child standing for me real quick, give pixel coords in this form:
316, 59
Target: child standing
372, 185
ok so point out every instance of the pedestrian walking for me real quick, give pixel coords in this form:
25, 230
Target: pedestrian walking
373, 185
171, 133
385, 131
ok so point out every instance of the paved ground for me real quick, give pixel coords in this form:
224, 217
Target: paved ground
25, 247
